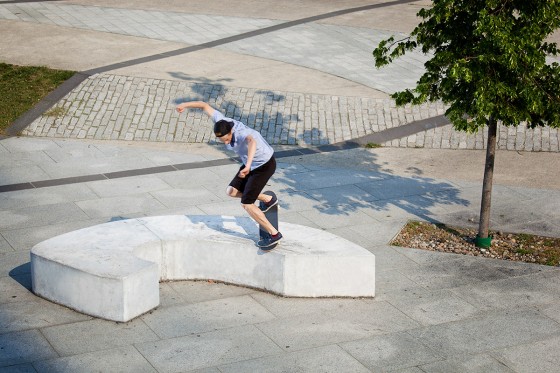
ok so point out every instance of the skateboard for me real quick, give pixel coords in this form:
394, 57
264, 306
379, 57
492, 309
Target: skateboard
272, 216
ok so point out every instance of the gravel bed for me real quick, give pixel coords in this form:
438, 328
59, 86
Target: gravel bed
509, 246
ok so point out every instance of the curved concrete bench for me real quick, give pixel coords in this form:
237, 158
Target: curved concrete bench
112, 270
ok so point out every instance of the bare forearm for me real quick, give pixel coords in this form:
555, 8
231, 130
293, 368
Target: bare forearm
252, 149
196, 105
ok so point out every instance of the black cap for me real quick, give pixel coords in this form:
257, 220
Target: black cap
222, 128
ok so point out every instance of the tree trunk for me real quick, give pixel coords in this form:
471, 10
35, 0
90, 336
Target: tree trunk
487, 184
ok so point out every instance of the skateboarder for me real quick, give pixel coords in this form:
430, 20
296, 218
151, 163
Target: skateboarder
258, 166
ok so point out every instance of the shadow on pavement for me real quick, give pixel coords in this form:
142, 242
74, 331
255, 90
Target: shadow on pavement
356, 183
344, 183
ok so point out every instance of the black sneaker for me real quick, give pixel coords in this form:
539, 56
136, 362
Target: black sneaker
265, 206
270, 241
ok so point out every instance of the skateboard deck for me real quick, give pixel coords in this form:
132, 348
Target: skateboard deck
272, 216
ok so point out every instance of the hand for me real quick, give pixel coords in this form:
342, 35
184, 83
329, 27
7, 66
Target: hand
244, 172
180, 108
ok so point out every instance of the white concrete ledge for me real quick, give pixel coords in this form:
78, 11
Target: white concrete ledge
112, 270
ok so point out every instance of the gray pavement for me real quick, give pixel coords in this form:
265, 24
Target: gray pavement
433, 312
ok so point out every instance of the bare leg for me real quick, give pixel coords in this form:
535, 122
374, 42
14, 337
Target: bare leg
264, 197
259, 217
232, 192
253, 210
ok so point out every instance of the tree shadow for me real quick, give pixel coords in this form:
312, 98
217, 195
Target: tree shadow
197, 79
346, 182
267, 116
238, 226
336, 183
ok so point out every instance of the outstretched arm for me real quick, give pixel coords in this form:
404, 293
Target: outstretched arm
196, 105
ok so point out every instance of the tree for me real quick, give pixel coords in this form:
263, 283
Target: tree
489, 65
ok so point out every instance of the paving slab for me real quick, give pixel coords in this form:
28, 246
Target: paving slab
391, 282
23, 239
204, 350
202, 291
433, 307
442, 275
121, 205
410, 370
96, 335
515, 169
390, 258
18, 174
192, 178
122, 359
427, 257
20, 368
375, 237
323, 359
390, 352
493, 330
45, 196
127, 186
21, 159
540, 356
206, 316
164, 158
16, 289
230, 69
15, 264
77, 166
68, 53
230, 208
186, 196
5, 246
530, 290
327, 216
41, 215
552, 311
365, 319
69, 151
480, 363
39, 313
294, 201
544, 227
24, 347
258, 9
283, 307
324, 178
297, 218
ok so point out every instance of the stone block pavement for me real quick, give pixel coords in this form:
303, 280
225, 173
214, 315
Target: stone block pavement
117, 149
113, 107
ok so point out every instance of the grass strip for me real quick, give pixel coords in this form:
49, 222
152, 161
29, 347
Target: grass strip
22, 87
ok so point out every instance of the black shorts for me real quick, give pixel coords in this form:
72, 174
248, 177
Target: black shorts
255, 181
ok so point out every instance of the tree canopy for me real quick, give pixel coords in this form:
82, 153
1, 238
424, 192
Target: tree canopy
489, 61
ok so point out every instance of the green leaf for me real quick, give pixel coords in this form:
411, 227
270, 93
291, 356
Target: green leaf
488, 60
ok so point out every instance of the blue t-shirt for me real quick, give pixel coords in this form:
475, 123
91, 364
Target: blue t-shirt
240, 132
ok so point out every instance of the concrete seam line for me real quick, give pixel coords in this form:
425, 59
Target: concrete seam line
25, 1
400, 132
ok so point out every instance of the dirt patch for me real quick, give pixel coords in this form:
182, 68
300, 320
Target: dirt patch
518, 247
